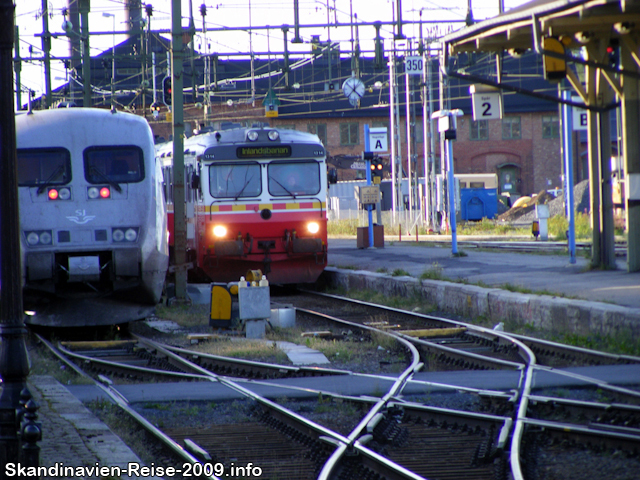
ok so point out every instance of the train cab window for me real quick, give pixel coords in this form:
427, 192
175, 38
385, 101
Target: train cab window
43, 166
120, 164
235, 180
294, 178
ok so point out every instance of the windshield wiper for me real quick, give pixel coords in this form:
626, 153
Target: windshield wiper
245, 186
49, 181
94, 171
284, 188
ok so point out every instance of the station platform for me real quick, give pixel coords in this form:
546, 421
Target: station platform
539, 272
72, 436
538, 289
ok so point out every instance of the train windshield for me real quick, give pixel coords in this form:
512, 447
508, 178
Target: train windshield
119, 164
43, 166
294, 178
235, 180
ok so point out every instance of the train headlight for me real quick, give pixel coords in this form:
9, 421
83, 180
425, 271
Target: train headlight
220, 231
93, 193
45, 238
273, 135
117, 235
33, 238
131, 235
39, 237
252, 136
64, 194
313, 227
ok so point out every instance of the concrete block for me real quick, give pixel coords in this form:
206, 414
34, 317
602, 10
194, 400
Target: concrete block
254, 303
255, 328
283, 317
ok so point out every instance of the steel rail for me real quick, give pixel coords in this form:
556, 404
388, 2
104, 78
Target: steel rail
123, 403
286, 370
590, 380
540, 346
130, 368
526, 381
612, 439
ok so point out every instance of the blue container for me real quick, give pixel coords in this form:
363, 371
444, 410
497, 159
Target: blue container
478, 203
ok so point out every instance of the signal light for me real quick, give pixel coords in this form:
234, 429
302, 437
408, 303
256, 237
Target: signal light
166, 90
377, 168
53, 194
613, 53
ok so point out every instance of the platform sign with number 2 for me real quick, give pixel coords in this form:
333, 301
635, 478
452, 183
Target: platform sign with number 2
486, 106
487, 102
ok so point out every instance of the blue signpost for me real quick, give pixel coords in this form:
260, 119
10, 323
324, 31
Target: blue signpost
567, 150
368, 155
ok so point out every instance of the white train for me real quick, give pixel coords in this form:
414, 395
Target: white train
92, 210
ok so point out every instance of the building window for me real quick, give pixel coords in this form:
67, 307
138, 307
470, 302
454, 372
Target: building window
349, 134
479, 130
320, 129
511, 128
550, 126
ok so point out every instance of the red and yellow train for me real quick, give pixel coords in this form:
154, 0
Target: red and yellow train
255, 200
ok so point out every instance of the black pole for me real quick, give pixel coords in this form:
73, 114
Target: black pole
14, 360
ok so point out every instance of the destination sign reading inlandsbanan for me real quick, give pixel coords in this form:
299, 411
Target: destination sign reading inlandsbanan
279, 151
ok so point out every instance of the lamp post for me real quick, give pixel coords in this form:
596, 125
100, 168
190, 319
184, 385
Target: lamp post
14, 358
113, 57
447, 126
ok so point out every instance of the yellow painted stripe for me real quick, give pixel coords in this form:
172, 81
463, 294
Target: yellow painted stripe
261, 206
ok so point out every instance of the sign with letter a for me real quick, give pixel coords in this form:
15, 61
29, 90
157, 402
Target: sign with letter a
378, 139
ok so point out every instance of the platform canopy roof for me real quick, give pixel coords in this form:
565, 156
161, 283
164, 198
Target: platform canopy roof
520, 28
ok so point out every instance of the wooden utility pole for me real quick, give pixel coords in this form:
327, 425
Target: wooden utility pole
177, 99
84, 6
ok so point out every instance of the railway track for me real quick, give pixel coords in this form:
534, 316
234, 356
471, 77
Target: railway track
509, 436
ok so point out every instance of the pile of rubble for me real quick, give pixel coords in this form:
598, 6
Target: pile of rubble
525, 212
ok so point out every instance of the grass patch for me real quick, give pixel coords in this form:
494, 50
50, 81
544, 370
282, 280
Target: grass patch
244, 348
185, 315
435, 272
490, 227
520, 289
620, 343
399, 272
45, 363
558, 226
347, 226
414, 302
